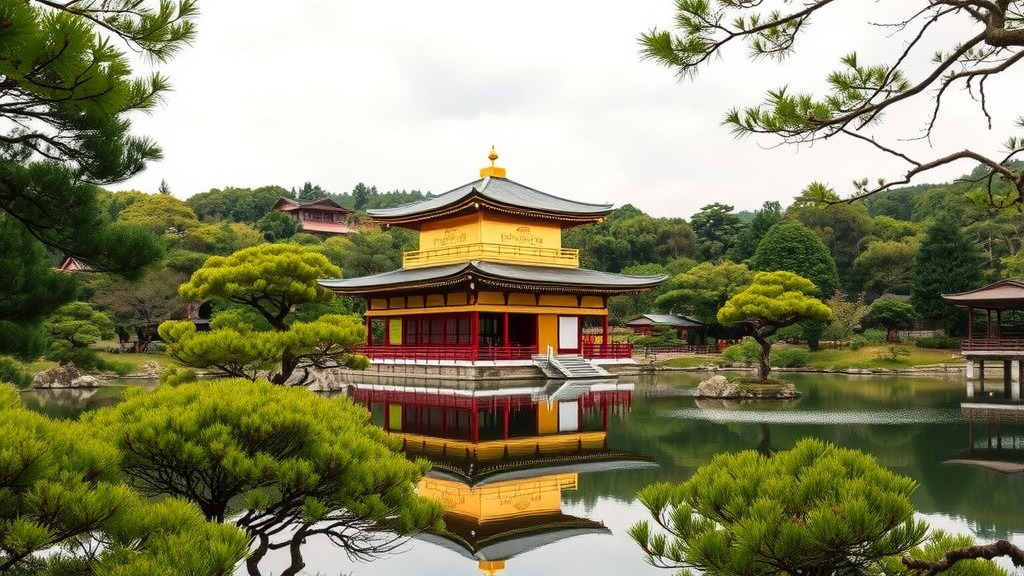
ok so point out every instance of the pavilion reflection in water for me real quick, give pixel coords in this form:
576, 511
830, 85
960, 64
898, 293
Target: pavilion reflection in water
502, 457
995, 436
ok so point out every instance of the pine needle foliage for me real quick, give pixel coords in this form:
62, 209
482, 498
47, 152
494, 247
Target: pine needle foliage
773, 300
65, 510
282, 463
814, 510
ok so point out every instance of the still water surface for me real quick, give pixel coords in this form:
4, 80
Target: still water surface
912, 425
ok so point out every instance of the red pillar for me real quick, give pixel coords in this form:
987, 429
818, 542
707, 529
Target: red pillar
475, 329
604, 414
604, 336
505, 421
474, 422
387, 416
970, 323
369, 331
504, 338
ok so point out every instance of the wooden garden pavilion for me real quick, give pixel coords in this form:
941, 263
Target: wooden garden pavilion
995, 332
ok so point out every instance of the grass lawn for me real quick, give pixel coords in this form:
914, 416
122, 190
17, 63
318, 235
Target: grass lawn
869, 357
883, 357
695, 361
131, 361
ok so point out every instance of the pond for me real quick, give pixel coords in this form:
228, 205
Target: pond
912, 425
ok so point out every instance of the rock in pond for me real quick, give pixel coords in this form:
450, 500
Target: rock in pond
64, 376
720, 387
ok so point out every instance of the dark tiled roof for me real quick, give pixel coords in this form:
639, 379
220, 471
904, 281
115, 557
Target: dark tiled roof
666, 319
500, 275
498, 190
1002, 295
508, 537
325, 204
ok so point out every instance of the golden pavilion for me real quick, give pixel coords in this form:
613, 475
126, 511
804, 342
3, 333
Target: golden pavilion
491, 282
503, 455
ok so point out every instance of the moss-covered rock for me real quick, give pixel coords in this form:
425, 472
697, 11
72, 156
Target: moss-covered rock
719, 386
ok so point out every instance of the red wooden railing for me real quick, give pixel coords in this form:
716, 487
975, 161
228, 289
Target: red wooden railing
994, 344
467, 353
606, 351
447, 352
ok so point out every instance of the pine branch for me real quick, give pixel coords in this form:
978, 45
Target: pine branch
984, 551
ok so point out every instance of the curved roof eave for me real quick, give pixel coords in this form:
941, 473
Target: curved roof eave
507, 275
515, 542
999, 295
500, 191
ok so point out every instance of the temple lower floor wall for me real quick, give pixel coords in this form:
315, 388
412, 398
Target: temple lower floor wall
394, 372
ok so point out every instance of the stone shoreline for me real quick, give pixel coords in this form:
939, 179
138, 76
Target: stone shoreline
73, 378
927, 369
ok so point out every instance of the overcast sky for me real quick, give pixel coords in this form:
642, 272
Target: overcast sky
411, 95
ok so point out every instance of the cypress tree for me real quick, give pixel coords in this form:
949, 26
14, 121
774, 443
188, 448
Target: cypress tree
947, 262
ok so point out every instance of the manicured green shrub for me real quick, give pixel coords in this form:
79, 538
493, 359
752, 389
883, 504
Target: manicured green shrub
11, 373
941, 341
892, 353
175, 375
86, 359
743, 353
858, 341
789, 357
874, 336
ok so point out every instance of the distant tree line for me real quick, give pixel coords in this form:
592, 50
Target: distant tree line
897, 243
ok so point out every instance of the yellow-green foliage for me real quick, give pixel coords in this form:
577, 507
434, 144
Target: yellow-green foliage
234, 352
271, 278
287, 456
775, 298
237, 350
60, 491
160, 214
815, 509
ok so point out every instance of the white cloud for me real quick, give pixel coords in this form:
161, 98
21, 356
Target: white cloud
411, 95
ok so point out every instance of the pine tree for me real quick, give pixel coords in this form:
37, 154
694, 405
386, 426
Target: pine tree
284, 464
947, 262
68, 93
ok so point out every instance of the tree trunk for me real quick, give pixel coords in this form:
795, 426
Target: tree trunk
252, 562
892, 335
765, 445
295, 553
288, 364
763, 367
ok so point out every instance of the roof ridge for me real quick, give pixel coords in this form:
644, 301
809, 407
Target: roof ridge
542, 193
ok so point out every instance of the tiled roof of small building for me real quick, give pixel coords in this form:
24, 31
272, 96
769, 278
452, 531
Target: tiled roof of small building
665, 319
325, 204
